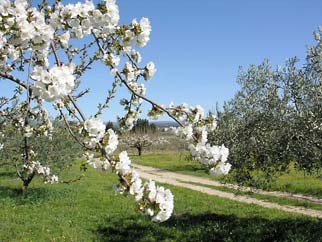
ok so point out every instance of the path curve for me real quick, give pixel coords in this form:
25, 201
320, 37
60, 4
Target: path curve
181, 180
205, 181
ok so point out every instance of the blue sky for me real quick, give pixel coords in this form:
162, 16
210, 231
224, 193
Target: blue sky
198, 46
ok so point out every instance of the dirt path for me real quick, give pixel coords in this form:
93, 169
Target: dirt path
186, 180
205, 181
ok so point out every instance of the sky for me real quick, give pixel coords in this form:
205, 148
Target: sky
198, 46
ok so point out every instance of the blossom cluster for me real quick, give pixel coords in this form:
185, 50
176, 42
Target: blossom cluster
195, 128
98, 163
43, 171
54, 84
23, 28
96, 132
84, 18
160, 196
153, 200
95, 129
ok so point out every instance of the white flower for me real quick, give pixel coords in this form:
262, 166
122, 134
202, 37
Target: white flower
150, 212
123, 166
186, 132
137, 88
224, 153
149, 71
210, 155
98, 163
199, 113
54, 179
152, 190
1, 146
64, 38
144, 36
43, 171
136, 56
136, 187
221, 169
130, 72
164, 199
112, 142
54, 84
95, 128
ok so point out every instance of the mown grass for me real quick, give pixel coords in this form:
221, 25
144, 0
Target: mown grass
294, 181
264, 197
90, 210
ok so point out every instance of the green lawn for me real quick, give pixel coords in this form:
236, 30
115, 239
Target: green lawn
295, 181
90, 210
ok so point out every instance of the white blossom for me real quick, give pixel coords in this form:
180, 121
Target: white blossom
123, 166
112, 142
95, 128
144, 36
43, 171
54, 84
220, 169
149, 71
64, 38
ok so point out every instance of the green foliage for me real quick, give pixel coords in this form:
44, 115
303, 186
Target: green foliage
275, 118
111, 125
57, 151
143, 126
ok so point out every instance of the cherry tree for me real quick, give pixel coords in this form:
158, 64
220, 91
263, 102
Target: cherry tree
42, 52
141, 141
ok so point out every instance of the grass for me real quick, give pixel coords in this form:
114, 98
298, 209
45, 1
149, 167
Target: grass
294, 181
268, 198
90, 210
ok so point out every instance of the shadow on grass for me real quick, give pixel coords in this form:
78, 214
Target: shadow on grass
9, 174
212, 227
191, 167
32, 196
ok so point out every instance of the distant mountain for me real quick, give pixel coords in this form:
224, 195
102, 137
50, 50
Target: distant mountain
165, 124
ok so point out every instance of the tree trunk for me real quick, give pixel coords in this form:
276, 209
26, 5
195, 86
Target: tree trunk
26, 183
24, 188
140, 151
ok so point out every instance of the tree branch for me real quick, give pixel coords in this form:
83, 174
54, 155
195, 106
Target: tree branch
14, 79
133, 92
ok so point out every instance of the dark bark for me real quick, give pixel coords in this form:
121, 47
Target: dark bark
26, 183
139, 150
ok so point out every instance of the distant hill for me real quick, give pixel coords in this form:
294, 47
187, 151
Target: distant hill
165, 124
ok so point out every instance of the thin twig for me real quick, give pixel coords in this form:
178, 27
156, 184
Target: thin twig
136, 94
14, 79
71, 131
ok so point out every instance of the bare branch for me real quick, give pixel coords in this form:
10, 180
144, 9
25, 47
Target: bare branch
14, 79
71, 131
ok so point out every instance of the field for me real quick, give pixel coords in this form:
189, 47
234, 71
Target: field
89, 210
